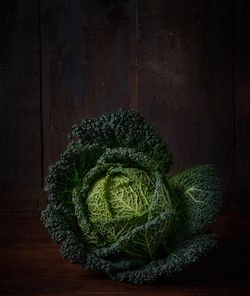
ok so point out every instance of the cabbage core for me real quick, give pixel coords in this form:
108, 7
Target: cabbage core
121, 193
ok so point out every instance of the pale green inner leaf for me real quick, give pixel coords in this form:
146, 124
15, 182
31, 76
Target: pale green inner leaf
122, 193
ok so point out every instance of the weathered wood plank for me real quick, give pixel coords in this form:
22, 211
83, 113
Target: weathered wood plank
242, 103
87, 65
20, 145
185, 70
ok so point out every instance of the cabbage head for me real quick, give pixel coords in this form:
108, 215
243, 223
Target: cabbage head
112, 206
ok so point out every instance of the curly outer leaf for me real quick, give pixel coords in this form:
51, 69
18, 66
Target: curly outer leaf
126, 129
63, 227
68, 172
187, 252
197, 197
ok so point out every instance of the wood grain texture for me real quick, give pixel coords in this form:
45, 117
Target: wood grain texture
87, 65
31, 264
183, 64
20, 145
185, 70
242, 103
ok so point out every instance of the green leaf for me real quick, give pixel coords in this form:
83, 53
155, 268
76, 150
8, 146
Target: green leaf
142, 241
143, 272
197, 199
161, 199
125, 129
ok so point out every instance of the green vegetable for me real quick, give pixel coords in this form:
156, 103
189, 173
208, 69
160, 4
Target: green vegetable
113, 208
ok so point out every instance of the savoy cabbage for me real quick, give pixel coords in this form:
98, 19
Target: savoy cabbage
112, 206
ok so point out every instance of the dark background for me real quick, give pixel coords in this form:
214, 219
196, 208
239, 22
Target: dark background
184, 65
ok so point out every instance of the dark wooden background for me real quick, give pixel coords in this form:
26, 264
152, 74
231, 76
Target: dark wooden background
184, 65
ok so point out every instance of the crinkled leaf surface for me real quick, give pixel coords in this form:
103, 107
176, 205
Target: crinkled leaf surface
113, 208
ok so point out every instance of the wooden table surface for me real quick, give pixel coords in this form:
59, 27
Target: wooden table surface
32, 265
